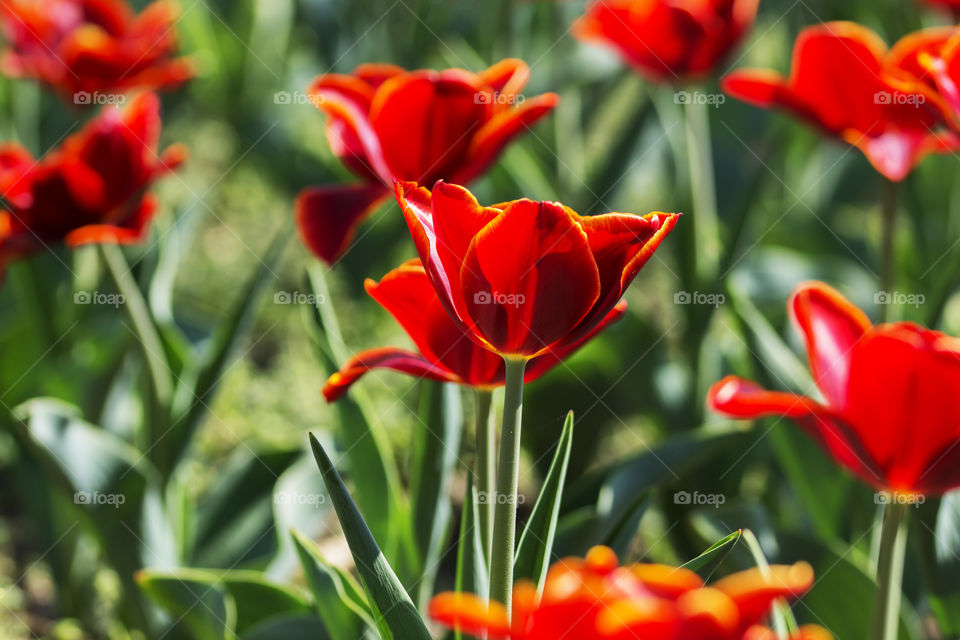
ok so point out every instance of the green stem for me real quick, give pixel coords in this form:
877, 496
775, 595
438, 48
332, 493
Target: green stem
893, 546
508, 481
887, 276
146, 330
486, 468
706, 244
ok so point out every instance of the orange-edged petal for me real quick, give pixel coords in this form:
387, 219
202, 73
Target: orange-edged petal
132, 231
708, 613
407, 362
524, 304
806, 632
507, 79
470, 614
499, 130
754, 590
327, 217
831, 325
640, 617
666, 581
376, 73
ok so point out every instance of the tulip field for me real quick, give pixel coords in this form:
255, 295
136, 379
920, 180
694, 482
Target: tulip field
479, 320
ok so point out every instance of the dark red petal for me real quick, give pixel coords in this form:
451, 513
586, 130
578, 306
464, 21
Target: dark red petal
831, 325
426, 122
491, 139
407, 294
327, 217
529, 277
132, 231
383, 358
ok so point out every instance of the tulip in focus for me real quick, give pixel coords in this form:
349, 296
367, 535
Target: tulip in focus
596, 599
386, 124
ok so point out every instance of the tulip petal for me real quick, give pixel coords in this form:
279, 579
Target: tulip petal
383, 358
407, 294
327, 217
540, 365
470, 614
831, 325
525, 304
754, 590
491, 139
132, 231
507, 78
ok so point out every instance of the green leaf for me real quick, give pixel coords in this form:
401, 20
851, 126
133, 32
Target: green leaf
289, 627
936, 534
435, 448
472, 572
194, 394
707, 562
536, 541
338, 599
202, 606
399, 615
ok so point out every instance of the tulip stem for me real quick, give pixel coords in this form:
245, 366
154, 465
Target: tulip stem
706, 248
893, 546
508, 481
486, 467
889, 259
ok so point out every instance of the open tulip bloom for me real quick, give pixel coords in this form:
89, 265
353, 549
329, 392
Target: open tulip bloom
386, 124
523, 279
80, 47
845, 81
446, 353
91, 189
596, 599
669, 40
889, 411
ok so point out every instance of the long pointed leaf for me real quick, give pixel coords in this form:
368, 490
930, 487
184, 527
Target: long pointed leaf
398, 613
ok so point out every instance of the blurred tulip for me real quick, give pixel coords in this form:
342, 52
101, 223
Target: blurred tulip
889, 411
669, 40
445, 352
92, 189
596, 599
846, 82
84, 48
386, 124
525, 278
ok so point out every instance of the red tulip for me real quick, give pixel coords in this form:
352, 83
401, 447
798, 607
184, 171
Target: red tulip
388, 124
92, 189
846, 82
81, 47
889, 411
525, 278
934, 55
445, 352
669, 40
595, 599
